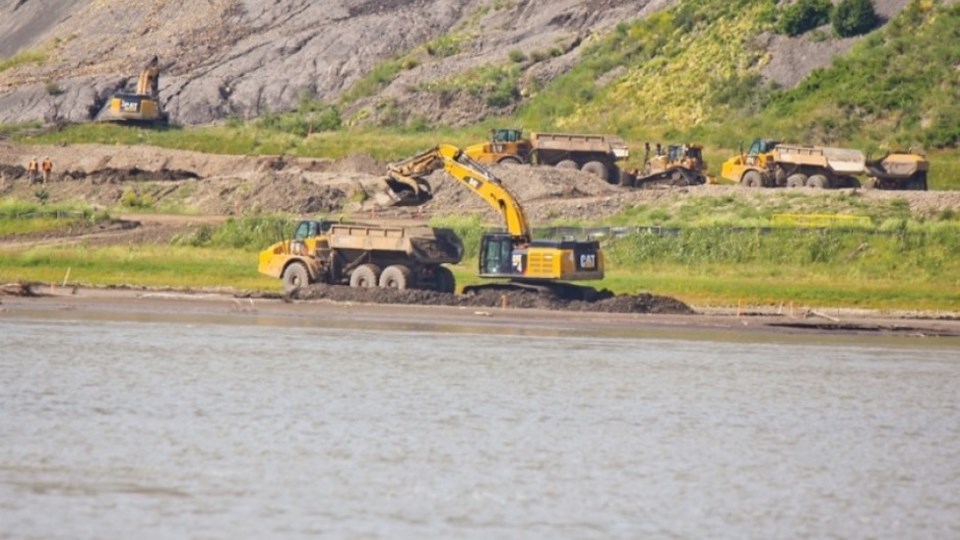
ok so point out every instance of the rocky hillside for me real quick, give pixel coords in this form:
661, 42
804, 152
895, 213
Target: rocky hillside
612, 65
241, 58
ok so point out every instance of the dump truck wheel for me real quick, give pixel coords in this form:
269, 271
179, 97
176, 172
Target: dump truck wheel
851, 182
365, 276
509, 160
796, 181
818, 181
396, 276
597, 169
752, 179
446, 283
294, 277
568, 164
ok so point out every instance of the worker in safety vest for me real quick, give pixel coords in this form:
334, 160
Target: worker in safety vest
46, 167
32, 168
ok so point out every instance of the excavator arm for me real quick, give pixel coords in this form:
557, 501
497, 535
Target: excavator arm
540, 265
407, 180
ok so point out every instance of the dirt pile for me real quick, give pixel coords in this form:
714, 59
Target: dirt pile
606, 302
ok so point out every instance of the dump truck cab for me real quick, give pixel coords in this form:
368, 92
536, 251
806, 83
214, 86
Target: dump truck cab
506, 145
749, 168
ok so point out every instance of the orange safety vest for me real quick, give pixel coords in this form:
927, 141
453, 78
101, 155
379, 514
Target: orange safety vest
32, 166
47, 165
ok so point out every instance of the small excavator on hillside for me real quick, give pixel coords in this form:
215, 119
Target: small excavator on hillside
141, 106
541, 265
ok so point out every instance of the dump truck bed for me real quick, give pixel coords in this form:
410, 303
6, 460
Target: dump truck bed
425, 245
576, 142
840, 160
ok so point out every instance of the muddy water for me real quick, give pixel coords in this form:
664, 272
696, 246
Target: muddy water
155, 430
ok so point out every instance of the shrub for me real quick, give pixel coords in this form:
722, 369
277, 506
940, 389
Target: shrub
854, 17
804, 15
53, 88
517, 56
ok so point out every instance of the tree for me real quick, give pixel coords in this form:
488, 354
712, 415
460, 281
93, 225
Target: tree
804, 15
854, 17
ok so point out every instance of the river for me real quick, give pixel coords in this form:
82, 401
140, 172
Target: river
116, 428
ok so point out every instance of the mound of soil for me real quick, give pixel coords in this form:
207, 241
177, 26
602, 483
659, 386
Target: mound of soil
111, 175
606, 302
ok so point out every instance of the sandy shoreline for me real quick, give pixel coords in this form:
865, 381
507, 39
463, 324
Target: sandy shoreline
225, 308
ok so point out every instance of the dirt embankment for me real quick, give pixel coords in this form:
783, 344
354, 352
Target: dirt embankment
604, 302
146, 177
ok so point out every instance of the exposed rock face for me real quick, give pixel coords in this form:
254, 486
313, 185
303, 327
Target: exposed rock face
241, 58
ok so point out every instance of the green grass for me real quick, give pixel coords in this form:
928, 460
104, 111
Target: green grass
731, 285
22, 58
24, 217
144, 265
250, 139
910, 271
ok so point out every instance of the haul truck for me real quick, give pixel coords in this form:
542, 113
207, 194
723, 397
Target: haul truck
769, 163
597, 154
364, 255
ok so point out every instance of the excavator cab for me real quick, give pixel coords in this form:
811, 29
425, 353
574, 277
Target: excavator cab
496, 256
506, 145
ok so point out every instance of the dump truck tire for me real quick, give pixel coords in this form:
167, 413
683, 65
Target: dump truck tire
818, 181
850, 182
294, 277
597, 169
567, 164
446, 283
365, 276
796, 181
509, 160
396, 276
752, 179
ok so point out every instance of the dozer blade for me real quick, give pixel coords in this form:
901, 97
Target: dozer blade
403, 191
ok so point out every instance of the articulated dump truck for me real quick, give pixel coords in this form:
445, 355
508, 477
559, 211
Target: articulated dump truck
363, 255
596, 154
772, 164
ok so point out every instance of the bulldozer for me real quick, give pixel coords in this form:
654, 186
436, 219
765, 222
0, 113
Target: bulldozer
141, 106
679, 165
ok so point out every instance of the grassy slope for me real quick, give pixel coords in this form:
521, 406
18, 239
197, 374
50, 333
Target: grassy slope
898, 88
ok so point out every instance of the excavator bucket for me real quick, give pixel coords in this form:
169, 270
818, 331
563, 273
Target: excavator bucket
399, 190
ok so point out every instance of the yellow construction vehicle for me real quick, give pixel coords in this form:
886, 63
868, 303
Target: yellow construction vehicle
679, 165
595, 154
141, 106
364, 255
769, 163
513, 254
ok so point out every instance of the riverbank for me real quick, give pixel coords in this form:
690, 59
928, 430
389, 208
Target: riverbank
218, 307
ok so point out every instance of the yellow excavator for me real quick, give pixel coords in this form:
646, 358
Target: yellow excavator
541, 265
141, 106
